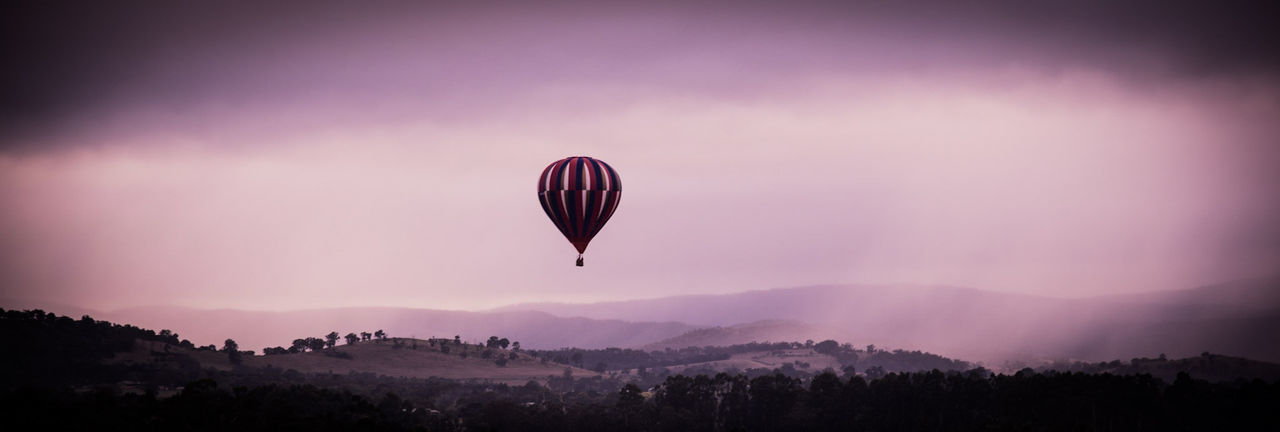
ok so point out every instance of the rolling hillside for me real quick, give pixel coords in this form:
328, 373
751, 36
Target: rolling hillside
1239, 318
255, 330
759, 331
396, 357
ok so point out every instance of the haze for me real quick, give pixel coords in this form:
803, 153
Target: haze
287, 157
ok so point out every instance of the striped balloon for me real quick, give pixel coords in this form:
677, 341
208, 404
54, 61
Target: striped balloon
579, 194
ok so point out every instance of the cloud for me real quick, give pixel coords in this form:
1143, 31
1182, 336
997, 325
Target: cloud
283, 157
80, 65
1060, 185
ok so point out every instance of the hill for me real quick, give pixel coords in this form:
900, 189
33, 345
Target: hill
394, 357
1206, 366
759, 331
260, 329
54, 350
1240, 318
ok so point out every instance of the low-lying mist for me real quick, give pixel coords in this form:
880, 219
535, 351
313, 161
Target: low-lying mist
1238, 318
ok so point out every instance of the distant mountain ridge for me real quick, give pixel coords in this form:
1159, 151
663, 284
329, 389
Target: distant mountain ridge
1237, 318
1240, 318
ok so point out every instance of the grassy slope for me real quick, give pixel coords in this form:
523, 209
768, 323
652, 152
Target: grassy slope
379, 357
759, 331
768, 360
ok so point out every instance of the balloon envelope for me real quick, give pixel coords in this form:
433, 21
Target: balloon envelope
579, 194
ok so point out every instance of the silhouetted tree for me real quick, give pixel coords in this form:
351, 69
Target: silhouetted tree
492, 342
380, 334
233, 351
364, 336
331, 339
772, 397
630, 396
515, 346
315, 343
828, 347
503, 343
875, 372
352, 338
299, 345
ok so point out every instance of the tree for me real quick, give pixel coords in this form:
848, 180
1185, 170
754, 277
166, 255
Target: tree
871, 349
515, 346
876, 372
380, 334
233, 351
771, 398
352, 338
457, 339
630, 396
299, 345
364, 336
316, 344
492, 342
502, 343
828, 347
331, 339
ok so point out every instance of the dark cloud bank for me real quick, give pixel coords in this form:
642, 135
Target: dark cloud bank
70, 62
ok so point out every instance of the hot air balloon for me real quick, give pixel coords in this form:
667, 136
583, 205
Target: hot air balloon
579, 194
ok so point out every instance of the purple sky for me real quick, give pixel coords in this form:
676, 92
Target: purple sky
282, 157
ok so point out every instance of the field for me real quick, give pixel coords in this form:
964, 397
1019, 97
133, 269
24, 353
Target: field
803, 359
397, 357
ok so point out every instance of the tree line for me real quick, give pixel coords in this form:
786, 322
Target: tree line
872, 360
54, 377
934, 400
330, 340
